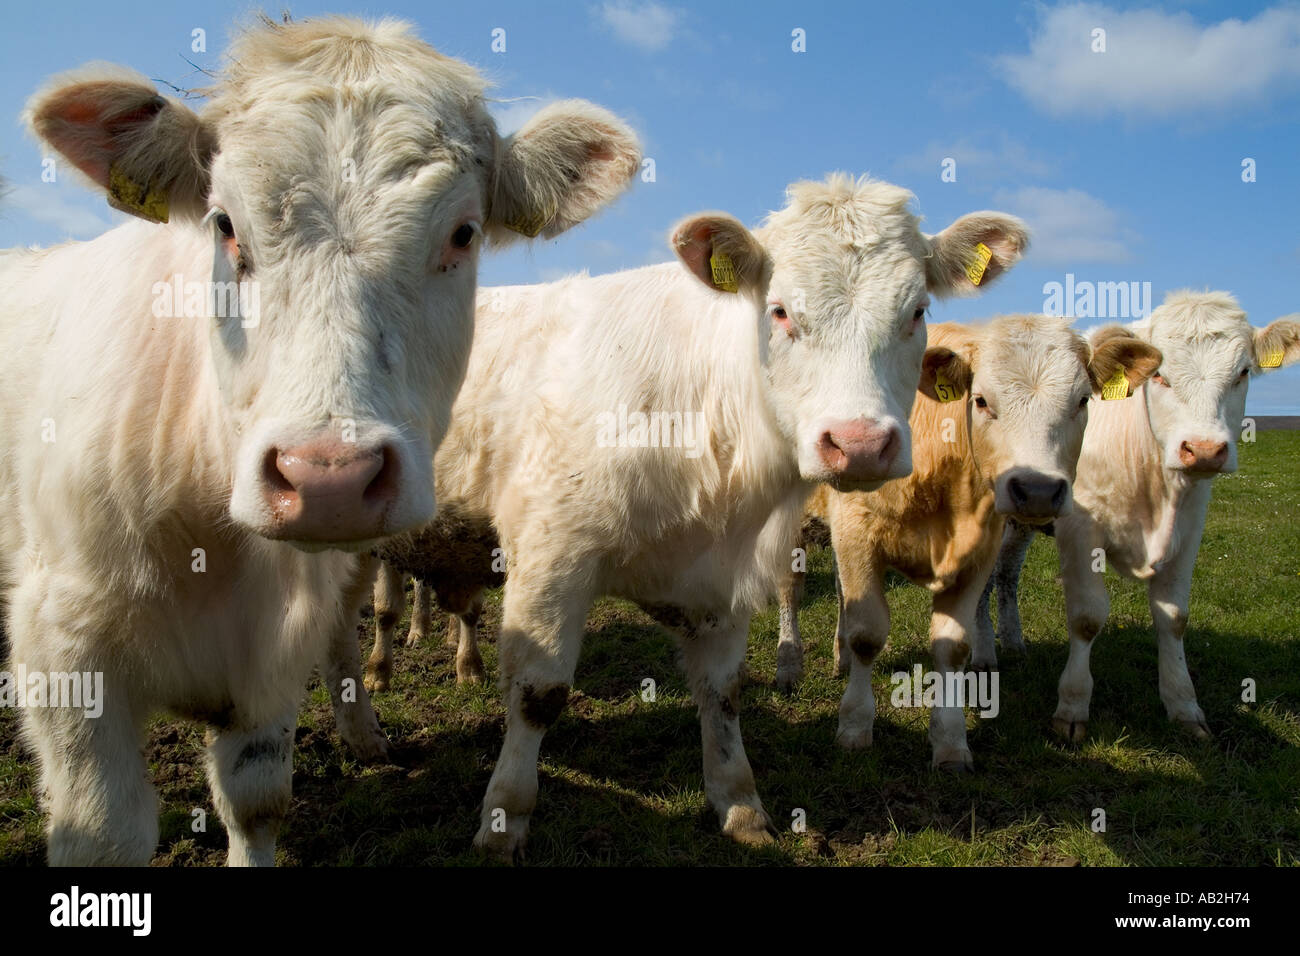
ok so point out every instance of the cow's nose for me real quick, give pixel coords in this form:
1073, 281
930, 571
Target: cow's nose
329, 490
859, 450
1037, 496
1203, 455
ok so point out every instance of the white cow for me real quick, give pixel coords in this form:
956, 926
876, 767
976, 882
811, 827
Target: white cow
671, 424
1143, 489
179, 488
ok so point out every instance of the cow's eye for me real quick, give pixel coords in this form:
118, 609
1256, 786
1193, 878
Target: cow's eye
980, 402
1083, 402
463, 236
225, 226
919, 314
1245, 374
781, 317
1159, 379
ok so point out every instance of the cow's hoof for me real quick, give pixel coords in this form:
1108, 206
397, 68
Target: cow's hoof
372, 749
376, 678
750, 826
506, 846
1012, 648
981, 666
1072, 730
851, 739
469, 670
955, 761
413, 639
1197, 728
787, 679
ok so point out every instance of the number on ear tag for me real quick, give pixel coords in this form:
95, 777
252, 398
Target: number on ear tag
1115, 387
724, 272
528, 227
944, 389
1272, 358
126, 194
976, 267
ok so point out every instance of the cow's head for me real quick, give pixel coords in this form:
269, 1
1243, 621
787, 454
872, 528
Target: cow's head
1025, 381
347, 174
841, 278
1197, 399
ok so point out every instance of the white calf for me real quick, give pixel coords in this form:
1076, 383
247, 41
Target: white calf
1143, 490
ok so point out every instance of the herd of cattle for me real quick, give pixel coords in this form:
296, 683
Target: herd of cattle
198, 507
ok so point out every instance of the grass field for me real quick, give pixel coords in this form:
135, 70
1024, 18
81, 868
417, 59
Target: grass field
621, 779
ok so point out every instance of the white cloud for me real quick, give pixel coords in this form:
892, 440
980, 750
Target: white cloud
49, 203
1068, 226
511, 114
1155, 62
985, 155
649, 26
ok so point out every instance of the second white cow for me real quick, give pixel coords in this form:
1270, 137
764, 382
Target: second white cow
654, 433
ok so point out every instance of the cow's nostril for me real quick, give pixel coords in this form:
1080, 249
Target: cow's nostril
1058, 495
384, 484
1016, 489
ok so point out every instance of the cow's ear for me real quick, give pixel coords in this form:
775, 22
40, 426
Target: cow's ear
567, 162
1116, 349
974, 252
945, 375
148, 152
722, 253
1278, 344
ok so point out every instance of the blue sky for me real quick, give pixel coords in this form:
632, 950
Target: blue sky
1127, 162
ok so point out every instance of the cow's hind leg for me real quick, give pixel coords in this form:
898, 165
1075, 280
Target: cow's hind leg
390, 600
713, 652
251, 775
421, 613
789, 648
354, 714
1016, 540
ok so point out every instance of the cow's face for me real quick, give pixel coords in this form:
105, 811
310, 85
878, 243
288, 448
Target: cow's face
1026, 382
840, 280
347, 181
1197, 399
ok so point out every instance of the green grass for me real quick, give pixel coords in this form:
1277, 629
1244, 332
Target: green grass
621, 780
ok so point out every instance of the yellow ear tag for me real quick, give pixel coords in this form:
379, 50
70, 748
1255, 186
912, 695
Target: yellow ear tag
1271, 359
126, 194
945, 389
529, 227
1115, 387
724, 272
976, 267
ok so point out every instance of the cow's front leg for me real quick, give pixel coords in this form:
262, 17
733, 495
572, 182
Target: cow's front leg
789, 648
863, 628
539, 644
390, 601
250, 771
354, 714
462, 634
1079, 544
101, 809
1169, 593
951, 625
713, 653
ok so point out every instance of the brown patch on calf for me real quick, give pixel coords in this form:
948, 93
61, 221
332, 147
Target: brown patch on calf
543, 709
